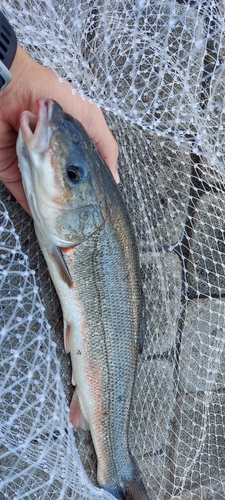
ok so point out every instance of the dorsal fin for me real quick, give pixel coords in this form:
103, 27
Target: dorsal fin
142, 330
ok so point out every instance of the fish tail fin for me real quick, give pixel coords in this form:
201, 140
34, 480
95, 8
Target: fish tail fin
115, 492
133, 491
132, 488
136, 491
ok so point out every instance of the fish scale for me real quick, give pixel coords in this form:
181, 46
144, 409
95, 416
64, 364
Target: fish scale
108, 291
89, 245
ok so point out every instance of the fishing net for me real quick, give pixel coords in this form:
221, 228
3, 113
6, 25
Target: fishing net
157, 70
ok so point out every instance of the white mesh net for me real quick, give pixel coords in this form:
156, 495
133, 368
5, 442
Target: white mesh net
157, 70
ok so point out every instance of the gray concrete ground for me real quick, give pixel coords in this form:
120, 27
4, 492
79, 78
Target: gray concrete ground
176, 198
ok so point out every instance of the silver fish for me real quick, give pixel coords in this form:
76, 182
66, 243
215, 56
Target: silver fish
88, 243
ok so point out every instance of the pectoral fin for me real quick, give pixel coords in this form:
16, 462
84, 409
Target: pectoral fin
61, 265
54, 253
76, 416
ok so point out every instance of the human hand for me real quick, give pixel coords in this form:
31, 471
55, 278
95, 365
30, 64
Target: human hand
30, 82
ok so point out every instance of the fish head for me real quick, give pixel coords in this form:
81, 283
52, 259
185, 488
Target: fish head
62, 175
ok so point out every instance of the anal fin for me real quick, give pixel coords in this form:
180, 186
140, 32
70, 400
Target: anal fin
76, 416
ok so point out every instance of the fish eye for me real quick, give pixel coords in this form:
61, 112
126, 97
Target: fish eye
74, 173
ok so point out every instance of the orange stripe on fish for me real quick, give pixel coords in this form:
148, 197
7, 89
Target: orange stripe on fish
67, 249
94, 377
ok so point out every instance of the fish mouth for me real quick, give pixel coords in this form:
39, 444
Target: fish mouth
36, 129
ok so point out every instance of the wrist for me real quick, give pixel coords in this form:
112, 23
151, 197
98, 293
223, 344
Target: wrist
18, 68
8, 44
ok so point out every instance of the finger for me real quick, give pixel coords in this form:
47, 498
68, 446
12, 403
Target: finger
11, 178
109, 150
97, 128
16, 188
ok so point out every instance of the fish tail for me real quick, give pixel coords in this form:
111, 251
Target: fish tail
136, 491
115, 492
133, 491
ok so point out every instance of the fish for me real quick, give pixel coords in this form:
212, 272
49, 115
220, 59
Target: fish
88, 242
